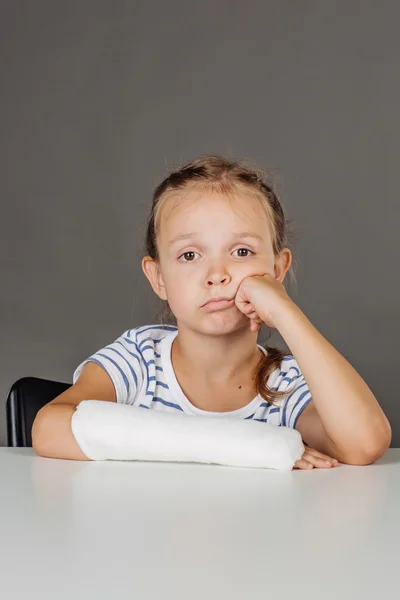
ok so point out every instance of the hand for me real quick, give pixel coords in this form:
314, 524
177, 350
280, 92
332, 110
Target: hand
259, 297
312, 458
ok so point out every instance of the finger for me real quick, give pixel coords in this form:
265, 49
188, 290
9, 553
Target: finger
307, 465
248, 309
321, 463
255, 316
303, 464
317, 454
254, 326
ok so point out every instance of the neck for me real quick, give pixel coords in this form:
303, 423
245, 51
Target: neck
215, 360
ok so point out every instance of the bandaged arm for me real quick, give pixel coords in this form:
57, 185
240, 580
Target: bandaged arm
110, 431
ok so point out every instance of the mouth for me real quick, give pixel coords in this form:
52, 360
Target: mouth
218, 304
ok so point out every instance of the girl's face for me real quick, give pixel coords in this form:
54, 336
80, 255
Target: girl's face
208, 245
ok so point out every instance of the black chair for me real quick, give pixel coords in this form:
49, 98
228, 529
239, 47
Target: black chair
25, 398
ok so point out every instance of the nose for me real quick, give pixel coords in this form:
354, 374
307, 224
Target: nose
218, 276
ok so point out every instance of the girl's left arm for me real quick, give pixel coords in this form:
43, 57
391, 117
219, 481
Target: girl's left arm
352, 418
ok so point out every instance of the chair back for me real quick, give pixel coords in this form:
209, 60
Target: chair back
25, 398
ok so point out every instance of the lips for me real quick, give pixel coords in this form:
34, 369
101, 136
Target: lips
218, 303
217, 299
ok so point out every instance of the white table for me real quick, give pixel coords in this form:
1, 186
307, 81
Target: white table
113, 530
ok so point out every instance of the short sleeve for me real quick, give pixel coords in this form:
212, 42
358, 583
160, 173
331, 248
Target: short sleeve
122, 362
292, 379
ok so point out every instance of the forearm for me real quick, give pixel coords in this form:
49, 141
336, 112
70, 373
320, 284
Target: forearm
349, 412
110, 431
52, 435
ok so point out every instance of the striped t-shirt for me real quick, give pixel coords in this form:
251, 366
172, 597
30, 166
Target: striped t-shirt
139, 364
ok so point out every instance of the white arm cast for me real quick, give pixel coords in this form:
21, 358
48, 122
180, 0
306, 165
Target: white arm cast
110, 431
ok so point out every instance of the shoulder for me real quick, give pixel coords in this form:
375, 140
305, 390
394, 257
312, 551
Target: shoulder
127, 359
146, 335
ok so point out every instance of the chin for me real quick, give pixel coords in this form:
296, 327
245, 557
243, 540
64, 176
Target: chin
220, 326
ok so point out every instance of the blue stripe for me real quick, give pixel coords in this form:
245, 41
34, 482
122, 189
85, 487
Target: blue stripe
128, 340
164, 385
288, 371
289, 379
139, 332
137, 356
304, 394
139, 359
284, 420
152, 362
119, 369
146, 348
147, 376
266, 404
149, 339
110, 349
157, 399
286, 358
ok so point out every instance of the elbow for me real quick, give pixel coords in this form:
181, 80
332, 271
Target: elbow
39, 436
52, 436
380, 449
381, 445
36, 434
370, 453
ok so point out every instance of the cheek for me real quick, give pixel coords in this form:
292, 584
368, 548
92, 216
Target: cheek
257, 267
184, 278
182, 287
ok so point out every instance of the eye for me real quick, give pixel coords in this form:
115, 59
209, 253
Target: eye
246, 249
185, 254
191, 252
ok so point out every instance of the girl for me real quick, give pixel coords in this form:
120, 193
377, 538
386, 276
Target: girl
216, 252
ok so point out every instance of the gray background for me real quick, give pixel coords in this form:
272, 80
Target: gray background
100, 99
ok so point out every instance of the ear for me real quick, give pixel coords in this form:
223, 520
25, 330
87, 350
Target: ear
151, 269
282, 264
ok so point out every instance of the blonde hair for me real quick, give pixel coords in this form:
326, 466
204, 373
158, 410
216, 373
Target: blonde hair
215, 173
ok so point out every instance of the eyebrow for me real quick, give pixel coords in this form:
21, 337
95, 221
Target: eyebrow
243, 234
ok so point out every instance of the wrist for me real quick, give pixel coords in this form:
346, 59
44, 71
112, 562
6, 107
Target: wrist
286, 315
286, 310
